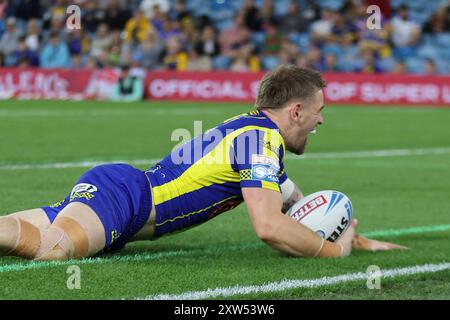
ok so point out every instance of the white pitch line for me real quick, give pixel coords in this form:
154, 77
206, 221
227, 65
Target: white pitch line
319, 155
296, 283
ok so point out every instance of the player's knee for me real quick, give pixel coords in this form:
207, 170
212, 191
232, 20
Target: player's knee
8, 234
73, 241
65, 239
21, 237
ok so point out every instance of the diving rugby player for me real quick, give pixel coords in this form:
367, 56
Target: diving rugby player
111, 205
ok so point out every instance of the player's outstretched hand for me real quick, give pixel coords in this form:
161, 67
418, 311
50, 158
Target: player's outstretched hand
362, 243
346, 240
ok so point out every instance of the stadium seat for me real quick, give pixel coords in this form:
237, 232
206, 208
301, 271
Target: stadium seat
442, 39
281, 7
258, 39
221, 62
387, 64
415, 65
428, 52
332, 48
270, 62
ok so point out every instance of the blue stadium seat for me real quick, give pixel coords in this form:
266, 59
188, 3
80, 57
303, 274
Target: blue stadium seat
270, 62
415, 65
281, 7
332, 48
331, 4
428, 52
387, 64
300, 39
258, 39
221, 62
442, 39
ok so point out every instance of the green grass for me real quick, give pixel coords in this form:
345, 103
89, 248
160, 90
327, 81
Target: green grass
387, 193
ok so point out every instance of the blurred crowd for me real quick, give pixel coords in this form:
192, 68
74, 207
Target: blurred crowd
238, 35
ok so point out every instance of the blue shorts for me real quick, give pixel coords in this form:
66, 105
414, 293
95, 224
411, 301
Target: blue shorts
120, 196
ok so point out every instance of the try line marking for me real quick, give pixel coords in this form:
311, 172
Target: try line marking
297, 283
199, 251
319, 155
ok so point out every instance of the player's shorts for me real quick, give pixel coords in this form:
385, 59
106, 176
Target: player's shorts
120, 196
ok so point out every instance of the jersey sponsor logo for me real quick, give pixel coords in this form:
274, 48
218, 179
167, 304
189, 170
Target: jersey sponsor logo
264, 168
309, 207
83, 191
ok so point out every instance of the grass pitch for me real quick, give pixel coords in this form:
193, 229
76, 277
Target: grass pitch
46, 145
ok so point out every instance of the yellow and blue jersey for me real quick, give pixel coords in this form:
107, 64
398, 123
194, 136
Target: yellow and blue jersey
203, 177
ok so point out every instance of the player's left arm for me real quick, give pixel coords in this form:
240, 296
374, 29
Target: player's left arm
291, 193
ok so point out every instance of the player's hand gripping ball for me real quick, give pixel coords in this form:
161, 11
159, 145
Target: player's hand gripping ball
328, 213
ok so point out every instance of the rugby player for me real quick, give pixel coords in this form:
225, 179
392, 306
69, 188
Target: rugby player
111, 205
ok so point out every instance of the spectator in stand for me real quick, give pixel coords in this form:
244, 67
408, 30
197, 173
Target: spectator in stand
179, 12
9, 41
33, 37
268, 14
331, 63
430, 67
405, 33
78, 44
168, 29
314, 59
208, 43
293, 21
2, 60
439, 22
251, 16
378, 39
176, 58
197, 61
101, 41
91, 16
399, 67
369, 63
188, 32
57, 25
271, 46
147, 7
342, 28
137, 28
128, 88
23, 56
245, 60
236, 36
321, 30
115, 16
149, 52
288, 53
28, 9
55, 54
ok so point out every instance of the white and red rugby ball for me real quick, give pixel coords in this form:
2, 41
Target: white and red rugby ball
328, 213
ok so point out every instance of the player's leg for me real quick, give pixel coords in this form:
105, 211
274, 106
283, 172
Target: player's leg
10, 227
77, 232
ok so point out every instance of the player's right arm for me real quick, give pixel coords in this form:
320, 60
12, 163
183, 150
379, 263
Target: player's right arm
285, 234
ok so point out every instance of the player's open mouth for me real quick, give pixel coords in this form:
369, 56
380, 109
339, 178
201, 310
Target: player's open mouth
313, 131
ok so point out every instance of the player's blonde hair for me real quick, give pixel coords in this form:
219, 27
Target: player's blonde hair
286, 83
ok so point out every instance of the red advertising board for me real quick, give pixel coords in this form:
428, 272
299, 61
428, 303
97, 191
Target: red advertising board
343, 88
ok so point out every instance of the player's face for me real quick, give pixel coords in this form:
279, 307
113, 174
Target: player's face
309, 118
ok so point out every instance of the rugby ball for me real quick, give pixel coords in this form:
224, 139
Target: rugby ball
328, 213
